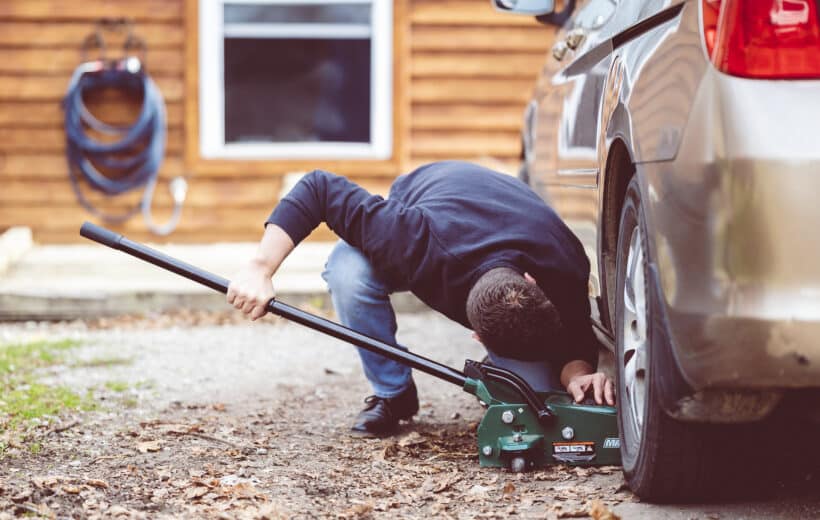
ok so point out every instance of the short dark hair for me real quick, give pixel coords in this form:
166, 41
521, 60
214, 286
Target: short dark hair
512, 316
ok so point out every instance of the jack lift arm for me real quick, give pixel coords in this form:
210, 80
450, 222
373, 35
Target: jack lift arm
520, 430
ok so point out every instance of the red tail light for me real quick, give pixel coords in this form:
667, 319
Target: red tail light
773, 39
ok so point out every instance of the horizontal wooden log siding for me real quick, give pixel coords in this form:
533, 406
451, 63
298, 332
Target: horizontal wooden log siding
469, 73
472, 71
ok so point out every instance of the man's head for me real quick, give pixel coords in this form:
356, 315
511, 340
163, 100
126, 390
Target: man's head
511, 315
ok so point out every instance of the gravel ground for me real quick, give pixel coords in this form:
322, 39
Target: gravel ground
215, 418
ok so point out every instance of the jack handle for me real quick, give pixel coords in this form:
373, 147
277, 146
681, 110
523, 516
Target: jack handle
114, 240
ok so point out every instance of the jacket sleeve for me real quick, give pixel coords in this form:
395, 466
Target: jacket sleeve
578, 340
581, 341
384, 230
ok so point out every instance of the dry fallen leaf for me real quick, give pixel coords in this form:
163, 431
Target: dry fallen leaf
93, 482
22, 496
411, 439
115, 511
598, 511
582, 472
446, 483
71, 490
358, 510
179, 429
146, 446
243, 490
195, 492
46, 482
44, 511
508, 488
389, 451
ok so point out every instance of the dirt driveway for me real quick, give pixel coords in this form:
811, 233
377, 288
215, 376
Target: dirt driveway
250, 421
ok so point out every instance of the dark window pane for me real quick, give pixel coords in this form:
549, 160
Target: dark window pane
284, 90
298, 13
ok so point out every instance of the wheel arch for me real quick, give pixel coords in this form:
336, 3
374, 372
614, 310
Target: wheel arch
617, 173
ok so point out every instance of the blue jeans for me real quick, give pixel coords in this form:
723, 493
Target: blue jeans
362, 302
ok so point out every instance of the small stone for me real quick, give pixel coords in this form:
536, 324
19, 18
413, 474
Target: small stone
261, 451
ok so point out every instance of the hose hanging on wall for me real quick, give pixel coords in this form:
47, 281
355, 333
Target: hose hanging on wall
133, 160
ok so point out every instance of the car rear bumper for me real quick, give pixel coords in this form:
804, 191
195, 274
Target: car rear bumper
734, 224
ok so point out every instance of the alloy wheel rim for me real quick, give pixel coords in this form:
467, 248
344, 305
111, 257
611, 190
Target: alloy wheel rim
634, 334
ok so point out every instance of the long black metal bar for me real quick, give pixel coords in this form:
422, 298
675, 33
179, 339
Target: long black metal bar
150, 255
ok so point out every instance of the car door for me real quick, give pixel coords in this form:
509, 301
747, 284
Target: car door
562, 161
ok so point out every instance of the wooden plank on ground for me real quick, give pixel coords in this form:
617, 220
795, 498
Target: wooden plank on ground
64, 61
448, 90
72, 34
536, 39
467, 117
516, 65
53, 88
91, 10
35, 114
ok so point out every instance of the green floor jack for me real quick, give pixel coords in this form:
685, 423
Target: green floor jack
521, 429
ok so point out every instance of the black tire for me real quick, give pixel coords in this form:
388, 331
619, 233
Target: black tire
663, 459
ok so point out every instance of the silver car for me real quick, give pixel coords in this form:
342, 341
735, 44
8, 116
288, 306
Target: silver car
681, 142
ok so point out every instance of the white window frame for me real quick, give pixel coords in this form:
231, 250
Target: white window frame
212, 33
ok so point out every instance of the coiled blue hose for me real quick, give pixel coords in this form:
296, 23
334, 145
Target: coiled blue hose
133, 161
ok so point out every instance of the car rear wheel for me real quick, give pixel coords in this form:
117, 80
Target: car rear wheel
663, 459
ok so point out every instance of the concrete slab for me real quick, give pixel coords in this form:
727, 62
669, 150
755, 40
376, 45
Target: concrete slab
81, 281
85, 281
14, 243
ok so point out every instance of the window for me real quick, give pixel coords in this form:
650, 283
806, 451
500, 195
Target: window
295, 79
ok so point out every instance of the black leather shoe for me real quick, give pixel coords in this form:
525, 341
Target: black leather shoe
381, 415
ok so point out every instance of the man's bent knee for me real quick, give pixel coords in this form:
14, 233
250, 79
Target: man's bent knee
349, 273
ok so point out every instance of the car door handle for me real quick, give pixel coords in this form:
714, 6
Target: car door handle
559, 50
575, 37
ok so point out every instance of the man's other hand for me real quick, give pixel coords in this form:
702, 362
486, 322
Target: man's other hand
602, 388
251, 289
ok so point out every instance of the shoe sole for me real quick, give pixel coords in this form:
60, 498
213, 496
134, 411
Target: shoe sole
370, 435
363, 434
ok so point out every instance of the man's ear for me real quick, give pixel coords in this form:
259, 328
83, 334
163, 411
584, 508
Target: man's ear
529, 278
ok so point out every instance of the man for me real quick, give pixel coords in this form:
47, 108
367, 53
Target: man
476, 245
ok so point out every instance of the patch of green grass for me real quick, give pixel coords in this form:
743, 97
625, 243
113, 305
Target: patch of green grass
35, 400
34, 448
129, 402
145, 384
102, 362
22, 397
24, 357
116, 386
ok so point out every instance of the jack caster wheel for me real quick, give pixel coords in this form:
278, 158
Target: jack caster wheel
518, 465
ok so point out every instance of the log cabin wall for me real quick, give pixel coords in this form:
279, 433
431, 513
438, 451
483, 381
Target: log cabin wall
463, 75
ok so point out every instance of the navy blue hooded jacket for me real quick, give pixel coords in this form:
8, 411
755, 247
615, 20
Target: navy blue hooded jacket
441, 228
